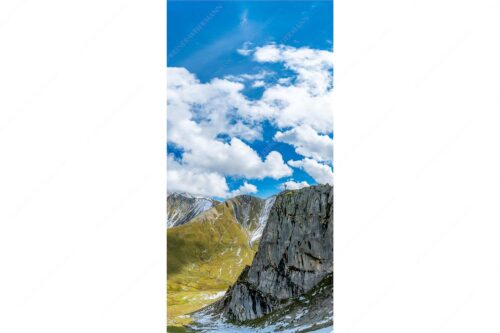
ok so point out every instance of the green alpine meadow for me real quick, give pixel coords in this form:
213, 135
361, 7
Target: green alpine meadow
204, 257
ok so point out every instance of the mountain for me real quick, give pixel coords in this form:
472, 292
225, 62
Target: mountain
251, 213
263, 265
182, 207
290, 281
204, 257
207, 253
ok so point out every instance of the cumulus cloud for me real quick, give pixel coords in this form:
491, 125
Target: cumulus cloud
306, 99
293, 185
234, 158
295, 106
304, 105
213, 123
246, 188
313, 67
258, 84
321, 173
200, 114
308, 142
216, 107
196, 182
182, 178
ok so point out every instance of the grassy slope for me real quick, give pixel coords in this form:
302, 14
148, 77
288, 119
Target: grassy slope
205, 256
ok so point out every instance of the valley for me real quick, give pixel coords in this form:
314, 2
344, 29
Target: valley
253, 265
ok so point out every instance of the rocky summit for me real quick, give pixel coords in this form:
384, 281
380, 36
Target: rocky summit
295, 256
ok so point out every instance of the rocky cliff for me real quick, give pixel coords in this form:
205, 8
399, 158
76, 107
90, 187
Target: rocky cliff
295, 254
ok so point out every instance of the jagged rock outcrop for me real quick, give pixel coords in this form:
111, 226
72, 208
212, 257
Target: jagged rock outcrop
294, 255
183, 207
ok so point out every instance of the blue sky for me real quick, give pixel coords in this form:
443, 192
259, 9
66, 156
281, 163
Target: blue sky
258, 53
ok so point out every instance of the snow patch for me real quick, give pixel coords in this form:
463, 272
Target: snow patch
264, 215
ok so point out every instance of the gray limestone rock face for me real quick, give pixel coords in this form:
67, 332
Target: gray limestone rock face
294, 255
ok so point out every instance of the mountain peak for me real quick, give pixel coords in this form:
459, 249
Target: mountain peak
182, 207
186, 195
294, 259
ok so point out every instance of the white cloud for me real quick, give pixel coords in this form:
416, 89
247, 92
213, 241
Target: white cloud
213, 122
321, 173
304, 104
293, 185
249, 77
306, 99
295, 106
285, 81
308, 142
246, 188
183, 179
258, 84
244, 52
198, 115
207, 109
268, 53
246, 49
234, 158
313, 67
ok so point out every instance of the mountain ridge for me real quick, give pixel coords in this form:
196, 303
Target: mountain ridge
294, 262
249, 211
183, 207
255, 262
